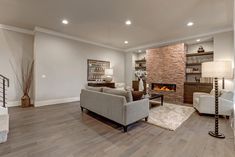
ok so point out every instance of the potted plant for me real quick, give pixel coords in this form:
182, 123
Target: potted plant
25, 81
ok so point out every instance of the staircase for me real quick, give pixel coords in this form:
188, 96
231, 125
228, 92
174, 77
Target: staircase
4, 84
4, 116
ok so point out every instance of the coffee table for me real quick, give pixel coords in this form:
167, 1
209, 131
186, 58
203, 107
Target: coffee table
155, 96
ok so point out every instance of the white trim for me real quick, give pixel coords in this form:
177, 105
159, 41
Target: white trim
177, 40
13, 103
152, 45
55, 101
47, 31
16, 29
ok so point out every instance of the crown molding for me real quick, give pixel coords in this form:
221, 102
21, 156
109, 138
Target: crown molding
51, 32
16, 29
152, 45
157, 44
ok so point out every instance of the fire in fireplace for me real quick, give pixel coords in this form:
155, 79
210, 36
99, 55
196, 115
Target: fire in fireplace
163, 87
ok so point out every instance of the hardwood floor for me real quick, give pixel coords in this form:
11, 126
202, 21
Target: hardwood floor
63, 131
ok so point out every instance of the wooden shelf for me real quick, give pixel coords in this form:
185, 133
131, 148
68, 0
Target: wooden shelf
193, 64
141, 61
137, 68
194, 73
199, 54
196, 83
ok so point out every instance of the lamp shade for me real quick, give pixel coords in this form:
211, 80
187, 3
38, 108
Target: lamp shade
219, 69
108, 72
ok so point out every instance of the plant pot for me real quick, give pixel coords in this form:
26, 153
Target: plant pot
25, 101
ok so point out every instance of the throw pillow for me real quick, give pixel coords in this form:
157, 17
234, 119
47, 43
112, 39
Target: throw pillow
126, 94
137, 95
227, 95
97, 89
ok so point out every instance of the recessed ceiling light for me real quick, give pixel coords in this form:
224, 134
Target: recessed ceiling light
190, 24
128, 22
198, 40
65, 22
126, 42
140, 51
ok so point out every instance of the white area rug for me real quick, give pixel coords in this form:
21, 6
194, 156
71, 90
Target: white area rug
169, 116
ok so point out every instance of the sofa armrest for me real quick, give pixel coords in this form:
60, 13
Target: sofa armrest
206, 99
198, 94
136, 110
225, 107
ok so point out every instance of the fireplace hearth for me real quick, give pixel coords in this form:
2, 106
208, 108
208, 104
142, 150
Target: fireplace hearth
163, 87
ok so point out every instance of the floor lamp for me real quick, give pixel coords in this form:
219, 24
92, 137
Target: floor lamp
217, 69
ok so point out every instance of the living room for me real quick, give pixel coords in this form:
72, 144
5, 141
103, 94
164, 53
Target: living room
160, 60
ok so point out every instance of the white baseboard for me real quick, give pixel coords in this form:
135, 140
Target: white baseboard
55, 101
13, 103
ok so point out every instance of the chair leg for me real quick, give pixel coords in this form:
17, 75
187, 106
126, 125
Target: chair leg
146, 119
125, 128
82, 109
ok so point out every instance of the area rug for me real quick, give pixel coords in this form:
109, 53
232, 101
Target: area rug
169, 116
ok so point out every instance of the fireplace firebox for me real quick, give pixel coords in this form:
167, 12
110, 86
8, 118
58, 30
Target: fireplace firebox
163, 87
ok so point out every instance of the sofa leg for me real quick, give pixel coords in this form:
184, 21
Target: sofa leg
146, 119
227, 117
125, 128
82, 109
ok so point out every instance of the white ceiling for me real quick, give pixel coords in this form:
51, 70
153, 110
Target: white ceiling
103, 21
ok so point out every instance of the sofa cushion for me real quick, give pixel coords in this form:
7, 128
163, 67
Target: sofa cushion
126, 94
97, 89
228, 95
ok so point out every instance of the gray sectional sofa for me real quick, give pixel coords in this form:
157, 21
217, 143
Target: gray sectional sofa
115, 105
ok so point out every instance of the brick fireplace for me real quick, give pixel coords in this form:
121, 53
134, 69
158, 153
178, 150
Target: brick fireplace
166, 71
163, 87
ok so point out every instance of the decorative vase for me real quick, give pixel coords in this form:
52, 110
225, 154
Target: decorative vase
25, 101
141, 85
108, 79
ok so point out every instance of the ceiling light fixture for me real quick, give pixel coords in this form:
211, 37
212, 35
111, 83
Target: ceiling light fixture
190, 24
126, 42
198, 40
65, 22
140, 51
128, 22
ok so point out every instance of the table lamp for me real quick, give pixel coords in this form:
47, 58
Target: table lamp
108, 75
217, 69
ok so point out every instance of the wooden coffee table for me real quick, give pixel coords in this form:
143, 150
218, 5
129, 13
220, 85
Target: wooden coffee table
155, 96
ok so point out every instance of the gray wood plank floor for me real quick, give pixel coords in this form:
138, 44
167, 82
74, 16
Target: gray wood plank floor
63, 131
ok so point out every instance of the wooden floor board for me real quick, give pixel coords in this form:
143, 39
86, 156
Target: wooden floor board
63, 131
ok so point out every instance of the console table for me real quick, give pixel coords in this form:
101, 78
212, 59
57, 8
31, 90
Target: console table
102, 84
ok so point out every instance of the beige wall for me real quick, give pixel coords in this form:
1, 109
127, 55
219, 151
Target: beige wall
14, 47
64, 62
224, 50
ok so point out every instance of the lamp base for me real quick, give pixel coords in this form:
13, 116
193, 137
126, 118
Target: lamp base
108, 79
212, 133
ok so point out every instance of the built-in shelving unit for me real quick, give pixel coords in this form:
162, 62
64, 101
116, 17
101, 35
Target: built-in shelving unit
194, 81
193, 66
140, 64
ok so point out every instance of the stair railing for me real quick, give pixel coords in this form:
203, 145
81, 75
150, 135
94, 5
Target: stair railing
4, 82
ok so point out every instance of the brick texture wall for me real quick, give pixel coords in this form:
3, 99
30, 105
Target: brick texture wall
167, 65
